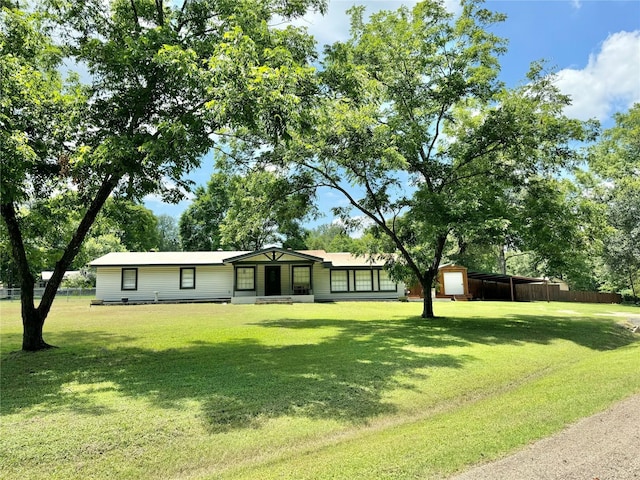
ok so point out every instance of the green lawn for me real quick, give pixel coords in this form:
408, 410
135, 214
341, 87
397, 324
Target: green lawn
346, 390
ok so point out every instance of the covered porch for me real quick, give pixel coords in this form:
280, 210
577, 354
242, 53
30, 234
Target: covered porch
273, 275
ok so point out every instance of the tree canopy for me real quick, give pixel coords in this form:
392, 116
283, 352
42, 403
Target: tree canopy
164, 81
615, 160
246, 212
420, 136
331, 238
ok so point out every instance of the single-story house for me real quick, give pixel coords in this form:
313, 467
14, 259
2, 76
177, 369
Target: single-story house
242, 276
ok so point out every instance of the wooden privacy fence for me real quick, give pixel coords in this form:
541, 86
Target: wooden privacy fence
529, 292
526, 292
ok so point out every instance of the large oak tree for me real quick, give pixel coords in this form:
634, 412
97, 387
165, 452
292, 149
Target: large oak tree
421, 137
162, 82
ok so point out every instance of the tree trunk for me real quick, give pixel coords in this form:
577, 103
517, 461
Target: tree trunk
502, 261
32, 323
427, 278
427, 305
33, 318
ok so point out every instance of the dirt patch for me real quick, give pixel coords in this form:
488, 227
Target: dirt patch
602, 447
630, 321
629, 316
635, 319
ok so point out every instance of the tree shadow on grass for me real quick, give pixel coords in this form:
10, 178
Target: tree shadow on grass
513, 329
518, 329
243, 383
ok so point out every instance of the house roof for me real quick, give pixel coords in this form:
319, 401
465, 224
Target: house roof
344, 259
220, 257
114, 259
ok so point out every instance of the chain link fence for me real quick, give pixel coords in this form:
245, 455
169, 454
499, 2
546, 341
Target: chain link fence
14, 293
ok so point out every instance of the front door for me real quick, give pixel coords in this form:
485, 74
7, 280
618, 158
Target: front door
272, 280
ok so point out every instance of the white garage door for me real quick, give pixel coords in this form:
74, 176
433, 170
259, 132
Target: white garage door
453, 283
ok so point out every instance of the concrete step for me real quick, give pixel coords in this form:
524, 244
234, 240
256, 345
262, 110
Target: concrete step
274, 301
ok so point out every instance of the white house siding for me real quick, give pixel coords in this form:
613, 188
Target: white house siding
160, 272
322, 287
321, 282
108, 283
259, 280
212, 282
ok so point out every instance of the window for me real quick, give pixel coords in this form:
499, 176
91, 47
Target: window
385, 284
187, 278
339, 281
246, 278
364, 280
301, 280
129, 279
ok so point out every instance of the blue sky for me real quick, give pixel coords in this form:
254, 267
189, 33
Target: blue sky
594, 45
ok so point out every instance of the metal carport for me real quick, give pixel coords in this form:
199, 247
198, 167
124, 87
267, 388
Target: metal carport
481, 279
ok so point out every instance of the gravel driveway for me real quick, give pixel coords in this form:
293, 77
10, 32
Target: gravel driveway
605, 446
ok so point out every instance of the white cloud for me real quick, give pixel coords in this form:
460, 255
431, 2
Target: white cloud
335, 25
610, 81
